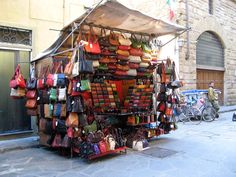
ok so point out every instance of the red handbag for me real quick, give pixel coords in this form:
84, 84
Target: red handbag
17, 80
31, 103
50, 77
123, 58
41, 81
31, 94
111, 66
103, 146
136, 52
121, 73
93, 45
124, 47
133, 65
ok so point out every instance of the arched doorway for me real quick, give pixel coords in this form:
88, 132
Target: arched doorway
210, 62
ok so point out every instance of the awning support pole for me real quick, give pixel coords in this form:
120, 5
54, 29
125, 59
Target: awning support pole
175, 37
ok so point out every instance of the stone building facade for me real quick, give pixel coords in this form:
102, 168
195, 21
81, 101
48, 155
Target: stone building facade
218, 18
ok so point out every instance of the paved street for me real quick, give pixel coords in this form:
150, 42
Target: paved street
205, 150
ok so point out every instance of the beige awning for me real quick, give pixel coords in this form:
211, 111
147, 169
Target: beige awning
113, 15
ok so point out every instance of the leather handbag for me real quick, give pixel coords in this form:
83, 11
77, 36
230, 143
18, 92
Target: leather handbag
41, 82
61, 80
111, 66
132, 72
161, 97
48, 110
17, 93
122, 67
90, 128
161, 107
135, 59
85, 66
121, 73
57, 110
122, 58
53, 94
31, 103
123, 40
96, 64
66, 142
93, 57
136, 52
104, 60
63, 110
57, 141
62, 94
69, 66
43, 97
31, 84
133, 65
123, 47
114, 38
50, 80
75, 87
72, 120
103, 39
102, 146
93, 45
103, 67
143, 65
18, 79
85, 85
30, 94
111, 141
96, 149
123, 52
77, 105
32, 112
169, 111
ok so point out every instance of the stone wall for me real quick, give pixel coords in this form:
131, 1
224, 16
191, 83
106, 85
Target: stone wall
223, 24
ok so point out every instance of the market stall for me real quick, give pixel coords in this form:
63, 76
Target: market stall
100, 87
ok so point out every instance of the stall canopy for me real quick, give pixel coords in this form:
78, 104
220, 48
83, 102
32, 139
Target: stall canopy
113, 15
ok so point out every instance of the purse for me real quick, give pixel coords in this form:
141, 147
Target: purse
90, 128
123, 40
135, 42
132, 72
114, 38
144, 65
48, 110
123, 47
61, 80
70, 64
146, 47
103, 39
102, 146
57, 141
31, 84
96, 64
63, 110
123, 52
30, 94
77, 105
43, 97
17, 93
120, 73
72, 120
122, 58
135, 59
93, 45
62, 94
57, 110
122, 67
85, 85
53, 94
85, 66
136, 52
31, 103
133, 65
18, 79
32, 112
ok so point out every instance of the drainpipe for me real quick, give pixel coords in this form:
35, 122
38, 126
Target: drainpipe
187, 26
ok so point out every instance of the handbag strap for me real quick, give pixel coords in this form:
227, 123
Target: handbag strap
17, 72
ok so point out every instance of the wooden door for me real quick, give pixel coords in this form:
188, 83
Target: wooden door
204, 77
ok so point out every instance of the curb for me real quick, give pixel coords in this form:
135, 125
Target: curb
228, 110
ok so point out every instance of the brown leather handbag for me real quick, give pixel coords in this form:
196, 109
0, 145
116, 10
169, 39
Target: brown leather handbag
136, 52
122, 67
123, 52
72, 120
114, 38
31, 103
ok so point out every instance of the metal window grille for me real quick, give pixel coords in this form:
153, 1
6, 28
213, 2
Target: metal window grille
210, 2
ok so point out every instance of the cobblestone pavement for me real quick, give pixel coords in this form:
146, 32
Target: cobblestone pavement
205, 150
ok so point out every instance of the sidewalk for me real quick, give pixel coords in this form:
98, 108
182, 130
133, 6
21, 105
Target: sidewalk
24, 143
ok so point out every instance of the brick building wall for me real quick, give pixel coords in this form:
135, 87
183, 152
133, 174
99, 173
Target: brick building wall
223, 24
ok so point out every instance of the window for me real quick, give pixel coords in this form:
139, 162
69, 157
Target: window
210, 4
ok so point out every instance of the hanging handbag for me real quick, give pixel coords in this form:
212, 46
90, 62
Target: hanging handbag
63, 110
161, 107
75, 70
168, 67
122, 58
90, 128
135, 42
135, 59
53, 94
75, 88
85, 85
32, 112
57, 141
72, 120
66, 142
17, 93
103, 67
123, 40
57, 110
31, 103
161, 97
96, 64
102, 146
122, 67
114, 38
169, 111
133, 65
120, 73
18, 79
111, 66
41, 82
31, 84
48, 110
83, 120
69, 66
43, 97
103, 39
104, 60
77, 105
85, 66
62, 94
143, 65
50, 80
93, 45
31, 94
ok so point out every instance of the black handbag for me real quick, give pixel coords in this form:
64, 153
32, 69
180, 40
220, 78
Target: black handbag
61, 126
77, 105
43, 97
85, 66
69, 104
83, 120
31, 84
234, 117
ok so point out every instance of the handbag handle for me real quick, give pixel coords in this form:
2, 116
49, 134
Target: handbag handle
103, 32
17, 72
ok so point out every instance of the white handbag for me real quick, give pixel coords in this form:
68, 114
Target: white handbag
135, 59
62, 94
143, 65
123, 40
138, 145
75, 70
96, 64
132, 72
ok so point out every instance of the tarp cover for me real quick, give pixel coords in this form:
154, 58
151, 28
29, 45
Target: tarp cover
113, 14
